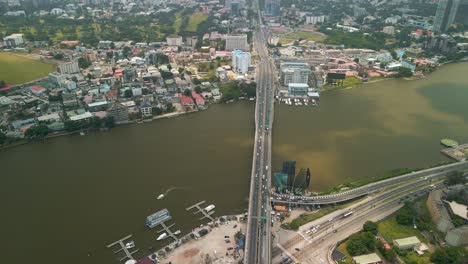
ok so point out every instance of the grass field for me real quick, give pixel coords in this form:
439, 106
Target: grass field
291, 37
17, 70
348, 82
194, 20
390, 230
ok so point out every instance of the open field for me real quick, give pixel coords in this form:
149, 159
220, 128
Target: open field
15, 69
291, 37
390, 230
194, 20
348, 82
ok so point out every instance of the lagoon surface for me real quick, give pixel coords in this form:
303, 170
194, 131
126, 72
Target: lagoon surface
67, 198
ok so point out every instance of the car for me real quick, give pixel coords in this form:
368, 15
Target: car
297, 249
334, 231
226, 236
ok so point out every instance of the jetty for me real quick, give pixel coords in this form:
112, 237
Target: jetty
123, 248
201, 210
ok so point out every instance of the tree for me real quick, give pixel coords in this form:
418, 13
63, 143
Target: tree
58, 56
361, 243
405, 216
371, 227
128, 93
456, 177
169, 108
95, 122
181, 70
82, 63
356, 60
404, 72
126, 51
450, 255
38, 131
3, 138
187, 92
71, 125
196, 81
394, 55
167, 75
169, 67
198, 89
2, 83
109, 121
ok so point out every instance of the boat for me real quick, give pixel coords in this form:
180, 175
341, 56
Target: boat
177, 232
209, 207
157, 218
82, 133
449, 142
130, 245
160, 196
162, 236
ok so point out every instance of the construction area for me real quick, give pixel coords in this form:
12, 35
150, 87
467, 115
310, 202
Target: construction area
218, 244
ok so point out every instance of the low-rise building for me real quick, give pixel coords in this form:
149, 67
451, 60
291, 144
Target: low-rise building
174, 41
146, 109
13, 40
119, 112
406, 243
367, 259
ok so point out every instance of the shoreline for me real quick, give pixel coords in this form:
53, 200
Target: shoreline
413, 78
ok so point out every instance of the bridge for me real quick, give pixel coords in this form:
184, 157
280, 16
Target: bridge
367, 189
258, 236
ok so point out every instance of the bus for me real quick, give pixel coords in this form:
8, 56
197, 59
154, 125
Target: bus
348, 214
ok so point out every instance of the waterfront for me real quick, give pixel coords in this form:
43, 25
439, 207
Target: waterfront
371, 129
71, 196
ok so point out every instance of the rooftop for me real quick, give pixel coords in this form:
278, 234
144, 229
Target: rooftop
365, 259
407, 241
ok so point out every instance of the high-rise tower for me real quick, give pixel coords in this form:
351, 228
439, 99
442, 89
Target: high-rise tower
445, 15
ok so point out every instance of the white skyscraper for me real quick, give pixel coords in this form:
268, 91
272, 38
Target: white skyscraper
241, 61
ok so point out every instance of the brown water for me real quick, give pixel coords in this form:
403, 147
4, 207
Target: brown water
371, 129
71, 196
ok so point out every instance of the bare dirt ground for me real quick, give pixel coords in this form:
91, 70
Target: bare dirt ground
210, 248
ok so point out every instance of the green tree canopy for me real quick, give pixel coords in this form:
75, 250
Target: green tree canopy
450, 255
38, 131
370, 226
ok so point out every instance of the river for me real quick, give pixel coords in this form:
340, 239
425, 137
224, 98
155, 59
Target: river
374, 128
71, 196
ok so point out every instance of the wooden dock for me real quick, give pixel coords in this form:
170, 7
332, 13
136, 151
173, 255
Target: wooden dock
168, 230
201, 210
123, 248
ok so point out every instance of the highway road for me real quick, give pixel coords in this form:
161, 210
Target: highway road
315, 247
258, 236
366, 189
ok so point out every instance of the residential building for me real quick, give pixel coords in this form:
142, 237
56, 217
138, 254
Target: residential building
37, 90
146, 109
68, 67
313, 19
56, 78
237, 42
241, 61
408, 64
294, 72
13, 40
445, 15
119, 112
406, 243
198, 99
89, 55
389, 30
272, 7
174, 41
367, 259
69, 85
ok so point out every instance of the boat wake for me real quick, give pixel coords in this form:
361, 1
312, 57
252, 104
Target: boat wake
168, 191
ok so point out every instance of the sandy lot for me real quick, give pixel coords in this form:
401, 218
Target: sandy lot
212, 246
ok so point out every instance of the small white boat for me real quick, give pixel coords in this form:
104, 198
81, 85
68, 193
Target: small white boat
82, 133
130, 245
160, 196
162, 236
177, 232
209, 207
